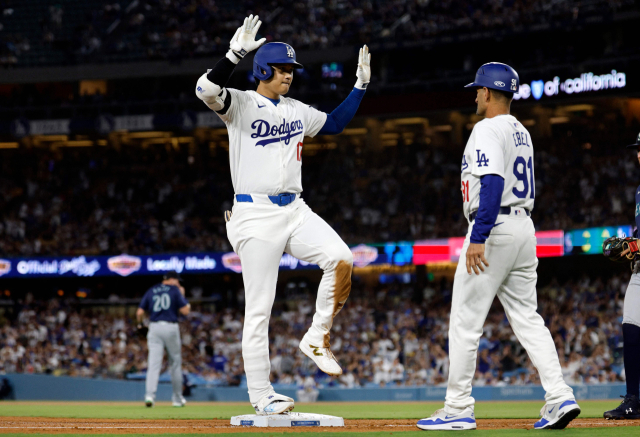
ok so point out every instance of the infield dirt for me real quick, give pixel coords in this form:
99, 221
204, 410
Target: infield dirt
42, 425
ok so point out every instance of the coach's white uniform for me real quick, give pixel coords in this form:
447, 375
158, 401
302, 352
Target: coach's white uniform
265, 154
500, 146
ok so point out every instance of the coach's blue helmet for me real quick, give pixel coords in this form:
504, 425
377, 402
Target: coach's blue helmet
497, 76
273, 53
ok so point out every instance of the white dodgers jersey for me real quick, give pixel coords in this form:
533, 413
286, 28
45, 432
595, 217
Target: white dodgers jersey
266, 140
502, 146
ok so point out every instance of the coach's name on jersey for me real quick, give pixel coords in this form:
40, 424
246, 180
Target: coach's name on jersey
285, 131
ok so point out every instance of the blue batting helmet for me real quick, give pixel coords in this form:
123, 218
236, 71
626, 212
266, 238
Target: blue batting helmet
497, 76
273, 53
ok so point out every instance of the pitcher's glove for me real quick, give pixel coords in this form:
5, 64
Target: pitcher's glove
621, 250
141, 331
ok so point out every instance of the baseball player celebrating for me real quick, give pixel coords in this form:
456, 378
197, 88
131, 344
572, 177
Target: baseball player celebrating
266, 135
498, 257
630, 406
163, 302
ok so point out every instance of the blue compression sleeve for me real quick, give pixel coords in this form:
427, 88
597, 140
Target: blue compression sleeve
342, 115
491, 188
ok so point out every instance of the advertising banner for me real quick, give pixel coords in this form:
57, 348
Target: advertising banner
550, 243
589, 240
183, 263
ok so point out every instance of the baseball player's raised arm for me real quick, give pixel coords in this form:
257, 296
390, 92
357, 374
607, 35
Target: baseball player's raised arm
211, 85
342, 115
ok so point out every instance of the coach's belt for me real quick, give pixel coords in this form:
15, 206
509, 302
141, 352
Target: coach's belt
505, 210
281, 199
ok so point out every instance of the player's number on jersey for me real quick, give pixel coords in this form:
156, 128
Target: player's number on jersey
520, 167
161, 302
299, 151
465, 191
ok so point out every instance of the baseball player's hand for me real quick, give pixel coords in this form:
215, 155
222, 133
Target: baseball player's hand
475, 258
244, 39
141, 331
364, 68
622, 250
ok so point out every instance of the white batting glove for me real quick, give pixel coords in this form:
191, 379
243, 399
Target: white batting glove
244, 39
364, 68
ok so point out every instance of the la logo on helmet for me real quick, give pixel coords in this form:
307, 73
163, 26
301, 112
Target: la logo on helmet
289, 51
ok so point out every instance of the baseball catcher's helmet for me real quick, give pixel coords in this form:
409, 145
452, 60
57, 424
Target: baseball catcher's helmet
273, 53
497, 76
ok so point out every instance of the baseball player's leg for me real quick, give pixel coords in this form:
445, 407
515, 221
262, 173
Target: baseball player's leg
314, 241
258, 234
629, 408
471, 300
631, 335
519, 299
174, 353
154, 361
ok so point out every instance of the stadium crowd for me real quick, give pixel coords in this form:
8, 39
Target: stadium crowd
115, 30
104, 200
381, 338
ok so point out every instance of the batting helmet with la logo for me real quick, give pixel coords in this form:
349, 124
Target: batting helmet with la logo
270, 54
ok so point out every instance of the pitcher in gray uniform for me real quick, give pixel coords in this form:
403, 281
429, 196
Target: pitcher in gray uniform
163, 302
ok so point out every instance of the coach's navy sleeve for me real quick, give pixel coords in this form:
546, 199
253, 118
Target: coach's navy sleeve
342, 115
491, 188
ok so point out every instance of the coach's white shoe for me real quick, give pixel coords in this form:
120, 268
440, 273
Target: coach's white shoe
273, 404
148, 401
557, 416
180, 403
442, 421
322, 356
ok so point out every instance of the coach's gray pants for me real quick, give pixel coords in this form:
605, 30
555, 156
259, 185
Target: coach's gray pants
161, 336
631, 311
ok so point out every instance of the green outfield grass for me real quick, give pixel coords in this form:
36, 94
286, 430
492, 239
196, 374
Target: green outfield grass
220, 410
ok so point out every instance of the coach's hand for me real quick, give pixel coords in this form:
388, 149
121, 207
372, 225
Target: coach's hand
475, 258
364, 68
244, 39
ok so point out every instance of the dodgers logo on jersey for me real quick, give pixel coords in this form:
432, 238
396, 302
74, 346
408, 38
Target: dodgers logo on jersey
465, 165
284, 132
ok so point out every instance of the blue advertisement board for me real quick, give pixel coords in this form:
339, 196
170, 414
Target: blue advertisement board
183, 263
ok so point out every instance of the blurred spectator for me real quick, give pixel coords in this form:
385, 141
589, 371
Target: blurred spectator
583, 317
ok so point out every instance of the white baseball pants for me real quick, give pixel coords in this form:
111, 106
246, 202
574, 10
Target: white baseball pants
511, 253
260, 232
